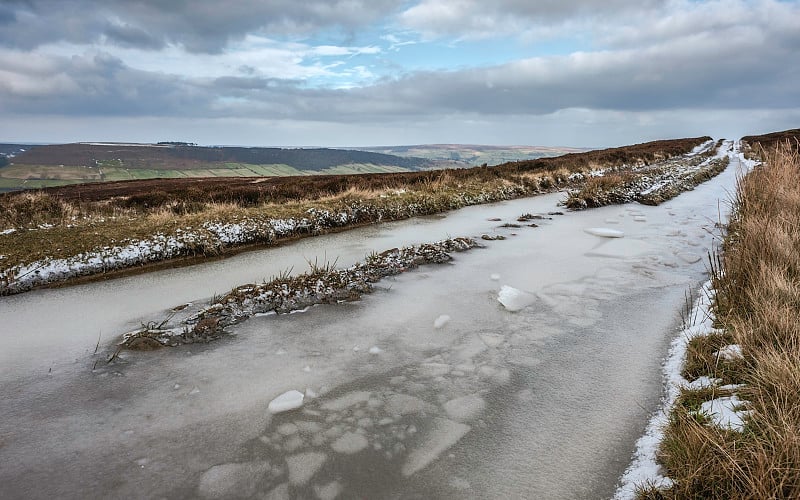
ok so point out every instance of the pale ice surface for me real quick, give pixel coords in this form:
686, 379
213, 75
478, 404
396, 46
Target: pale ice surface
444, 434
232, 480
287, 401
71, 431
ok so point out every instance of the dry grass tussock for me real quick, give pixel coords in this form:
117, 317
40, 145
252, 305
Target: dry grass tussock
758, 307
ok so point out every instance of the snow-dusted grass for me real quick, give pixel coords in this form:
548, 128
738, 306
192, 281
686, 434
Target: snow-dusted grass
740, 439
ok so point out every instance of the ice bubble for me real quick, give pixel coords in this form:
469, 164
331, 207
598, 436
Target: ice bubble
232, 480
513, 299
444, 434
289, 400
441, 321
303, 466
464, 408
494, 277
375, 350
604, 232
349, 443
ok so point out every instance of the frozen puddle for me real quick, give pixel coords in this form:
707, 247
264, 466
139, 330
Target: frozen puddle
484, 378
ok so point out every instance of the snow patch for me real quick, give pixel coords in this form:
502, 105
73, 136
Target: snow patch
725, 412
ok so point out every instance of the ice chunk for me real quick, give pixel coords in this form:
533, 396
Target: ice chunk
441, 321
513, 299
465, 408
611, 221
494, 277
375, 350
724, 412
232, 480
307, 369
303, 466
349, 443
604, 232
444, 434
289, 400
640, 218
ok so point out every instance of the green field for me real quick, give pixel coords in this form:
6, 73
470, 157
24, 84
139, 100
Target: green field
20, 176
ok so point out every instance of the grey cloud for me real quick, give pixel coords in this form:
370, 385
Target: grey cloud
200, 25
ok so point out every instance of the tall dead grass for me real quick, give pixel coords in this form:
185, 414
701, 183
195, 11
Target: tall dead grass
758, 306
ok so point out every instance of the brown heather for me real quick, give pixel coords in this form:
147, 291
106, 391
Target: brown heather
758, 307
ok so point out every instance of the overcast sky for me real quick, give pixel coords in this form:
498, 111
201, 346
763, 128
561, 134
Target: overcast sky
388, 72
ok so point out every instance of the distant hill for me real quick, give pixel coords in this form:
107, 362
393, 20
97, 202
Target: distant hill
178, 155
39, 166
472, 155
769, 141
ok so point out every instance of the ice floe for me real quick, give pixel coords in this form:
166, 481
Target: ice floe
604, 232
303, 466
514, 299
287, 401
443, 434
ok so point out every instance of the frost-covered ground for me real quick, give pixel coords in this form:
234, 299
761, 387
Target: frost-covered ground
487, 377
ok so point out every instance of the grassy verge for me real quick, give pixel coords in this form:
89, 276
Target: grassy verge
60, 234
756, 307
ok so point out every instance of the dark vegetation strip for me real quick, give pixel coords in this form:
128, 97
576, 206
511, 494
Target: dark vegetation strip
323, 284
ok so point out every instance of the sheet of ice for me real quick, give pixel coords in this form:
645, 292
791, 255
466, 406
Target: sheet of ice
346, 401
441, 321
465, 408
604, 232
349, 443
303, 466
514, 299
644, 468
287, 401
232, 480
443, 434
621, 248
725, 412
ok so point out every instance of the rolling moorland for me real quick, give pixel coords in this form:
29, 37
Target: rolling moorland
25, 166
101, 228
